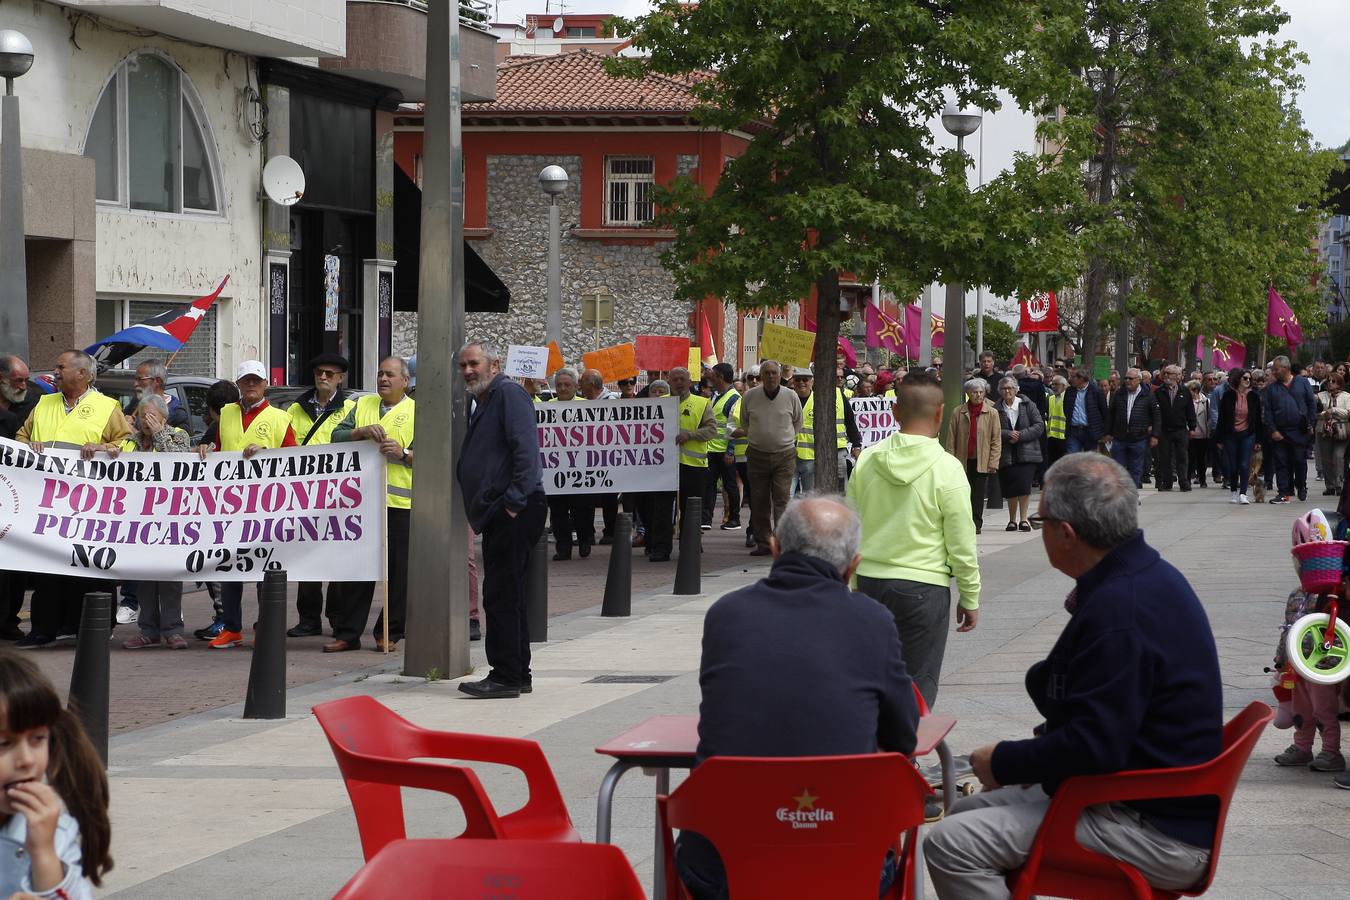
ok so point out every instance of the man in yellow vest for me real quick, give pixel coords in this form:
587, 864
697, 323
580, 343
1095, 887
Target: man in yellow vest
697, 427
722, 450
1056, 426
250, 426
845, 429
570, 513
76, 417
314, 416
388, 420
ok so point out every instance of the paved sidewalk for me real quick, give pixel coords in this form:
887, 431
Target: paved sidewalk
210, 806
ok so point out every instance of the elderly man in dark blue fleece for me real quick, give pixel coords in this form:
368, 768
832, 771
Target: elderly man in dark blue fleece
799, 665
1132, 683
499, 480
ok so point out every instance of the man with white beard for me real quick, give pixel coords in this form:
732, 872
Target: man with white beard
17, 400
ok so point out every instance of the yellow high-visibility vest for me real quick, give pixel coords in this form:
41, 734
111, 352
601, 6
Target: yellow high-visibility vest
806, 437
1055, 424
724, 410
398, 426
84, 424
268, 428
693, 453
302, 422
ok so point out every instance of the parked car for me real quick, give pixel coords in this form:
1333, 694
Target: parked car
190, 390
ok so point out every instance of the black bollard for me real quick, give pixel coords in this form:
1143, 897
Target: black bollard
619, 581
536, 591
89, 675
688, 571
266, 697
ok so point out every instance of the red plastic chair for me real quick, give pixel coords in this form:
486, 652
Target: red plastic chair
856, 808
1061, 867
378, 750
465, 869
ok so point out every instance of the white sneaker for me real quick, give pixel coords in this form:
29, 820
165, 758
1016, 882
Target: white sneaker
1242, 498
125, 615
1235, 497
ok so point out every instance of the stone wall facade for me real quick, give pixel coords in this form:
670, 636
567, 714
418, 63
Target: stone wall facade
518, 252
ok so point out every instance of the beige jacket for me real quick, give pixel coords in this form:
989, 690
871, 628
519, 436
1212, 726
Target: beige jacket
988, 440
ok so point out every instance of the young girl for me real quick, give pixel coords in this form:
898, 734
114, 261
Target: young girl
1314, 705
45, 758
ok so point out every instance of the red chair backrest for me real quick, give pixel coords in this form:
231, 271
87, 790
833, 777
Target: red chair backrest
473, 869
372, 745
815, 826
1240, 735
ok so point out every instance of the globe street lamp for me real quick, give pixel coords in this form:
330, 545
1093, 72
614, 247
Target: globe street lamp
553, 181
16, 58
962, 123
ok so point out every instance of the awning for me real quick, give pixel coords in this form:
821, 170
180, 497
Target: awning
483, 290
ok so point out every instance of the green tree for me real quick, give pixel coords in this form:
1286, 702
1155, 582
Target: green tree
841, 172
999, 337
1201, 180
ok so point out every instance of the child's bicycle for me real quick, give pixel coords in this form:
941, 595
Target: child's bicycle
1318, 644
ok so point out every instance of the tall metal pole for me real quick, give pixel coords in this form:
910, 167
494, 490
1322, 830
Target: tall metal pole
926, 329
554, 323
13, 268
979, 290
438, 600
954, 340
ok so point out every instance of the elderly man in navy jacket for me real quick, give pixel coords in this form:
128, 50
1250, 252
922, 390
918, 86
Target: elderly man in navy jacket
1084, 412
499, 479
799, 665
1132, 683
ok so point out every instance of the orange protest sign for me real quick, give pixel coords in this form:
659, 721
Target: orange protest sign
657, 353
613, 363
555, 358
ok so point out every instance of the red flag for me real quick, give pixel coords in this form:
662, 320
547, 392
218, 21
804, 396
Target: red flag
705, 341
1201, 351
1281, 321
844, 344
1227, 353
883, 331
1024, 356
1040, 312
913, 324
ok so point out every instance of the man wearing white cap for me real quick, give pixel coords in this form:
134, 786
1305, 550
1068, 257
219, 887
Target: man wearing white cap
250, 425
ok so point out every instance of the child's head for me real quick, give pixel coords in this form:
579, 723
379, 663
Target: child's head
41, 739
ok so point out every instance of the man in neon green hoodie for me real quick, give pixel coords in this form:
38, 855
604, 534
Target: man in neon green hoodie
914, 502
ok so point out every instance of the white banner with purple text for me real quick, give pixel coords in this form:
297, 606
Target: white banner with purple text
609, 446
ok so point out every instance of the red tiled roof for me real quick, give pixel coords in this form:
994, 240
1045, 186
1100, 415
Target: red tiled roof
576, 83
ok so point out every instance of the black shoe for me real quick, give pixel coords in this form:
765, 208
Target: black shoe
658, 557
761, 551
305, 629
33, 641
584, 551
1160, 487
489, 689
1281, 500
606, 540
1147, 480
1025, 526
749, 539
1185, 488
527, 687
1303, 494
1329, 492
1012, 526
732, 525
977, 529
560, 556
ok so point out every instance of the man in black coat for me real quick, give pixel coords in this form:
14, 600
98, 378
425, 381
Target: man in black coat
500, 480
18, 396
1084, 413
798, 665
1133, 425
1176, 418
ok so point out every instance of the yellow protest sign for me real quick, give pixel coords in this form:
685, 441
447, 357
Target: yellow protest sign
695, 363
787, 345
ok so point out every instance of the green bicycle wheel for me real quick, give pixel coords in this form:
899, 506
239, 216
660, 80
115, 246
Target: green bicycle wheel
1304, 646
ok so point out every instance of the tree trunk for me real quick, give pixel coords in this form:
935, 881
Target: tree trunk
825, 396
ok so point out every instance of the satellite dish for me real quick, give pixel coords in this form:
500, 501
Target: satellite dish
558, 26
283, 181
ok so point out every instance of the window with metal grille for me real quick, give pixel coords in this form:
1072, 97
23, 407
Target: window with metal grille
629, 182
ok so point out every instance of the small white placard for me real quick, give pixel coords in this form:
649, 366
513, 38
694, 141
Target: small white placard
526, 362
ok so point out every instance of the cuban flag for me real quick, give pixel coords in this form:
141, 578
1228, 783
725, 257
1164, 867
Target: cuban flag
168, 331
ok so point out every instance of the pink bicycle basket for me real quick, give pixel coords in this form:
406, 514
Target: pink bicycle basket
1320, 565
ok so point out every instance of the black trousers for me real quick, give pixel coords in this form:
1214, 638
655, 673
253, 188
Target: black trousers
661, 510
1199, 459
719, 468
568, 513
978, 489
1291, 466
358, 595
58, 602
506, 549
1173, 460
11, 597
310, 601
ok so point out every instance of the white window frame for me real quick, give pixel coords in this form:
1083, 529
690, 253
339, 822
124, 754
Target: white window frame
632, 180
187, 93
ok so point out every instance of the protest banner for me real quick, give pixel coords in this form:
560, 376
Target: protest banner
316, 512
526, 362
873, 415
609, 446
613, 363
787, 345
657, 353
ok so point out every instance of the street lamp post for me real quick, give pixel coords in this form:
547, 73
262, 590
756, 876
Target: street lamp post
553, 181
962, 123
16, 58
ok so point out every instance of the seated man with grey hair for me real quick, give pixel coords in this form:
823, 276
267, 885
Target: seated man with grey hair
798, 665
1132, 683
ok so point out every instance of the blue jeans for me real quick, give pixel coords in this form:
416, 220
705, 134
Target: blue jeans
1080, 440
232, 603
1237, 455
1130, 454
